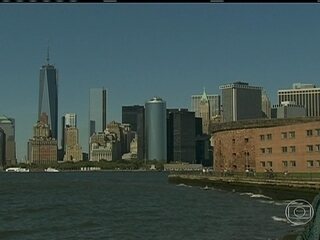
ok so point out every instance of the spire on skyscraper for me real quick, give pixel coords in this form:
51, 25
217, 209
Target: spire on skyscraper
48, 56
204, 95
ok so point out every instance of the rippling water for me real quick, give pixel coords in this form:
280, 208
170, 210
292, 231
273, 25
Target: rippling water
130, 205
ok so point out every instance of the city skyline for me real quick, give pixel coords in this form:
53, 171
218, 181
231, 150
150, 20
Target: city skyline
141, 51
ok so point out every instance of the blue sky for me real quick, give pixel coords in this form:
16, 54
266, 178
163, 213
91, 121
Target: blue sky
141, 50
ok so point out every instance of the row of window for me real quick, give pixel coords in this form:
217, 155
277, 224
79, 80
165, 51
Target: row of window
266, 137
285, 135
310, 132
292, 149
310, 163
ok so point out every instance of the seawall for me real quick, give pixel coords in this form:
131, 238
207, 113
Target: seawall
277, 189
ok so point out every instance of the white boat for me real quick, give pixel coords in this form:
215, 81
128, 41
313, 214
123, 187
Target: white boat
49, 169
17, 169
206, 188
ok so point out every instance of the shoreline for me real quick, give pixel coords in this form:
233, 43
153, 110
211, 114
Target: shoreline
276, 189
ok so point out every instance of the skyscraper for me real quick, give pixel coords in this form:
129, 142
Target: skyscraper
240, 101
204, 112
134, 115
2, 148
181, 136
156, 129
68, 120
97, 110
214, 102
307, 95
48, 96
8, 126
266, 104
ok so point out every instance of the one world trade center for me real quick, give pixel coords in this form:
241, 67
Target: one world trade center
48, 96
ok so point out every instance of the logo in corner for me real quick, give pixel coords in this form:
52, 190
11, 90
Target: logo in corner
299, 212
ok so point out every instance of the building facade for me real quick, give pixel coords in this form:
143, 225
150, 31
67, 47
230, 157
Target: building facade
2, 148
240, 101
97, 110
307, 95
284, 146
135, 116
288, 110
266, 105
48, 96
104, 146
72, 147
68, 120
42, 148
8, 126
214, 102
156, 129
181, 136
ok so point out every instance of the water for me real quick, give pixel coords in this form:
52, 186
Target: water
130, 205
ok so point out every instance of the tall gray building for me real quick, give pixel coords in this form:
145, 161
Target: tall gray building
2, 148
48, 95
214, 102
156, 129
8, 126
97, 110
307, 95
240, 101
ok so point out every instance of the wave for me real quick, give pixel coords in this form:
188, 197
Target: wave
279, 219
268, 202
247, 193
183, 185
260, 196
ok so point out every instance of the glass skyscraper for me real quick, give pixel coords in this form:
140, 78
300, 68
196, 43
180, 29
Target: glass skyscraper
97, 110
48, 96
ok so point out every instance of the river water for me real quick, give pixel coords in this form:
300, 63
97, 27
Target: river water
130, 205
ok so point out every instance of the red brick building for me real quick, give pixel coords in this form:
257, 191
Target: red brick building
291, 145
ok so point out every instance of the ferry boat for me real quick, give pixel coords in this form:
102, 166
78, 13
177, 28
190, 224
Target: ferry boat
17, 169
49, 169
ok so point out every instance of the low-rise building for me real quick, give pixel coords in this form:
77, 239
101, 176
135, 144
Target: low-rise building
283, 145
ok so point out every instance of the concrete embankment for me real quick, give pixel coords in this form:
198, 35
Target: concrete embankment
280, 189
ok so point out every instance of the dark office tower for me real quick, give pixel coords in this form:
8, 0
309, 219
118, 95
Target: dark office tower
134, 115
97, 110
156, 130
181, 135
8, 126
240, 102
48, 96
2, 148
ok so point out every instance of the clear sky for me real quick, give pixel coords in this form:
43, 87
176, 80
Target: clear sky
141, 50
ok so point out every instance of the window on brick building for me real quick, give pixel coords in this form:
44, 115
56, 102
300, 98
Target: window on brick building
310, 163
284, 149
283, 135
269, 136
246, 139
269, 163
293, 163
309, 132
262, 163
262, 150
262, 137
317, 147
318, 131
285, 163
317, 163
233, 141
309, 148
269, 150
292, 148
292, 134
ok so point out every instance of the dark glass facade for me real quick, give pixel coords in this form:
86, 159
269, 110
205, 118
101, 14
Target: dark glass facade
48, 96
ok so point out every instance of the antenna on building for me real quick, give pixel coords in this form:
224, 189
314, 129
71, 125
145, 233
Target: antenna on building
48, 58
